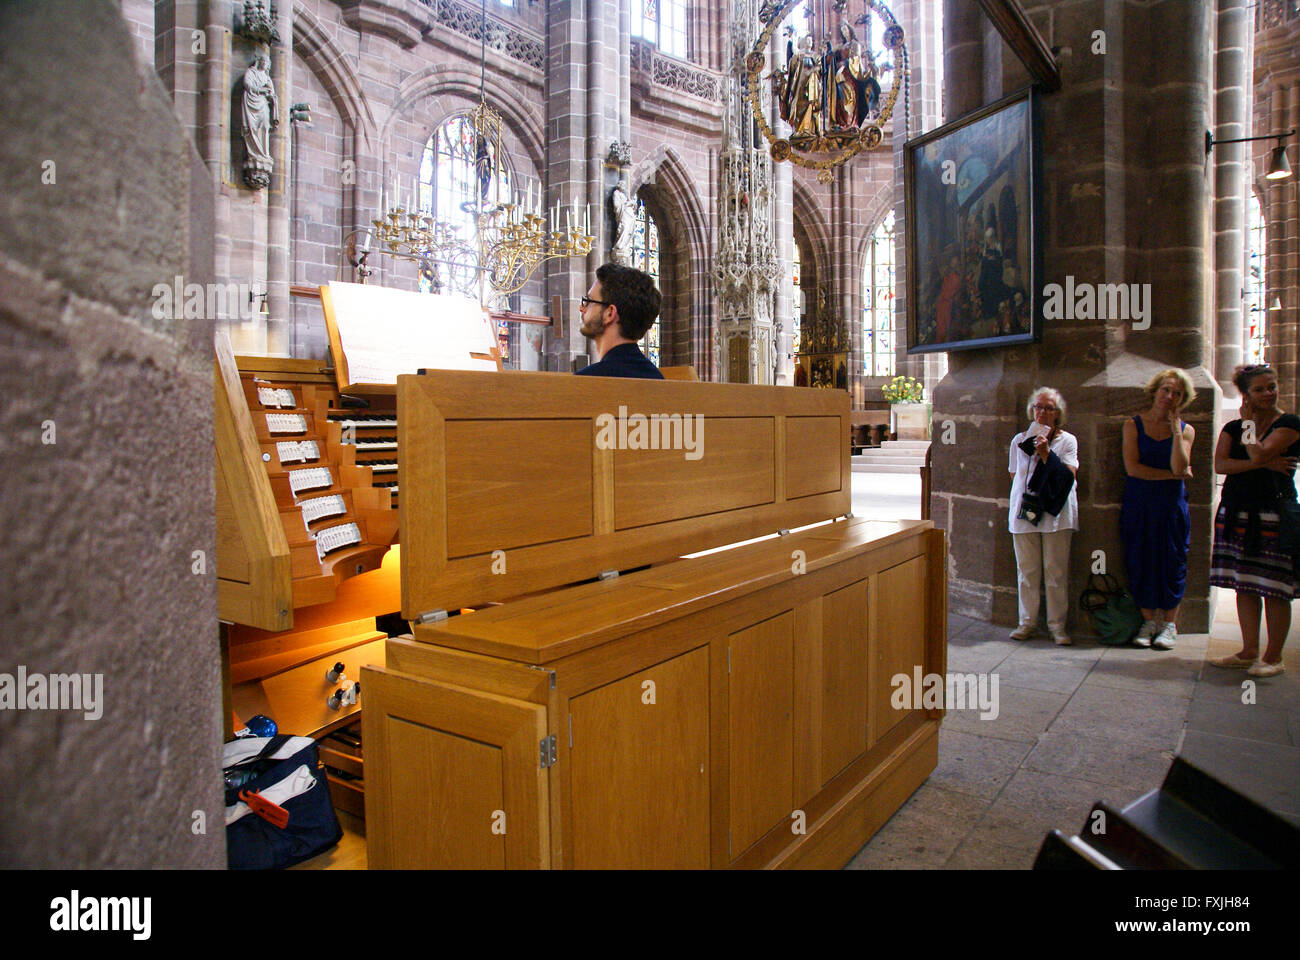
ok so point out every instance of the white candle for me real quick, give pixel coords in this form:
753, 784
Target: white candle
586, 224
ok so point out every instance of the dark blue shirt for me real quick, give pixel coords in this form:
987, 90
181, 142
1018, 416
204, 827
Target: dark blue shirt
625, 360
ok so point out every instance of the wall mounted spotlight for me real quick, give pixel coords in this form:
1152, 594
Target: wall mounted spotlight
1279, 168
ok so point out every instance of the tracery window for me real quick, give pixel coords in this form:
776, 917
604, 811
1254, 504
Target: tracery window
797, 311
456, 172
645, 256
878, 335
1257, 308
663, 23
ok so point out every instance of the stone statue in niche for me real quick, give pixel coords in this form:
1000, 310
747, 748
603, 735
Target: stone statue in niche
625, 221
261, 114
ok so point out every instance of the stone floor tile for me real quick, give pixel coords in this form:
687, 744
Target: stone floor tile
1134, 767
1022, 714
1032, 804
1041, 668
1111, 714
979, 854
981, 658
1158, 673
1244, 721
1265, 772
980, 631
923, 833
976, 766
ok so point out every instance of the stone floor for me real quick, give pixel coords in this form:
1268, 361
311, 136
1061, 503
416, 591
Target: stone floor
1086, 723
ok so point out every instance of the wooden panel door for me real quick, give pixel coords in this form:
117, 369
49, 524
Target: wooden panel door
845, 689
760, 729
455, 776
898, 638
639, 769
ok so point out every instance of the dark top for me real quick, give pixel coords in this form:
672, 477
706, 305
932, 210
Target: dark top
1052, 481
1255, 488
625, 360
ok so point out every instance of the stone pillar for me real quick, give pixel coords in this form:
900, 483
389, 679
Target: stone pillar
1277, 99
1231, 177
1125, 201
109, 552
584, 115
279, 321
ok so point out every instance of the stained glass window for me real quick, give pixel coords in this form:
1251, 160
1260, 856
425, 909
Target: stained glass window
645, 256
456, 172
663, 23
878, 334
798, 301
1256, 307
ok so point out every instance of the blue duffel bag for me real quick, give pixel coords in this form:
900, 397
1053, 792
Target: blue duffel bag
278, 807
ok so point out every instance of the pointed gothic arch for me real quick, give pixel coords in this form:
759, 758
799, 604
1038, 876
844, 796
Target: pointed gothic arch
662, 182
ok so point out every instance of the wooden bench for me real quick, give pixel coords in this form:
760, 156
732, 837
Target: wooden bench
725, 710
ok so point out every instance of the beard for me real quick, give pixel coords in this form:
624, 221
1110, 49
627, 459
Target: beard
591, 329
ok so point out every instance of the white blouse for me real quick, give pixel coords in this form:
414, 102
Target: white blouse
1021, 465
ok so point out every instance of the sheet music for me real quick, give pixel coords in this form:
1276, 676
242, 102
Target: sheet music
387, 332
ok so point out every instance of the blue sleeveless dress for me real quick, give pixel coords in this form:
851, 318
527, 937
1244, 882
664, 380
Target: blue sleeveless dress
1156, 529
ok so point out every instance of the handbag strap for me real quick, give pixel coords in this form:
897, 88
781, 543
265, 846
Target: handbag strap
271, 746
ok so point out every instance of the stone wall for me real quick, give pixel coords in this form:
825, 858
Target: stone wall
1126, 200
106, 489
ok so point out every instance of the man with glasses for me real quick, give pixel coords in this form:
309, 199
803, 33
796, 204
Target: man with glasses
616, 313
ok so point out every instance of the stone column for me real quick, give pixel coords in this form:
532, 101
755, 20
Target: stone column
1125, 200
1231, 176
1277, 109
277, 200
584, 115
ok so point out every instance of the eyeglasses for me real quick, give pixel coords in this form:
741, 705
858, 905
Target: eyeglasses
583, 303
1044, 408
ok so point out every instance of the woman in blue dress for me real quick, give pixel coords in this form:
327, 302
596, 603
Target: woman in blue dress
1154, 522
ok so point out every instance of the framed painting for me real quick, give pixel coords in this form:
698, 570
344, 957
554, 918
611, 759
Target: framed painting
830, 370
974, 256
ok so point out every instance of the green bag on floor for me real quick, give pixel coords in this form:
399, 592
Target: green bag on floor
1113, 610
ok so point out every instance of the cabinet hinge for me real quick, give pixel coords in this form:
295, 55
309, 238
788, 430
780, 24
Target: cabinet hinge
570, 731
548, 752
728, 660
608, 575
432, 616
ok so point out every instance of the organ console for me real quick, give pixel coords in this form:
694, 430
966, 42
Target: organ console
307, 512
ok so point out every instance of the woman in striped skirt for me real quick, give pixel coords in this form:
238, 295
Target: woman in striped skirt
1258, 453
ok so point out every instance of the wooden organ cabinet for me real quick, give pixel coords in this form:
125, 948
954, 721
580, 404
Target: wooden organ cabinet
730, 709
307, 508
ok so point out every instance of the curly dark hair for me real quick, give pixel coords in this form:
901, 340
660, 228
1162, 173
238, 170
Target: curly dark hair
634, 293
1245, 373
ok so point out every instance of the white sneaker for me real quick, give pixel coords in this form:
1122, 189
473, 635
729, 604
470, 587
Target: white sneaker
1149, 630
1164, 640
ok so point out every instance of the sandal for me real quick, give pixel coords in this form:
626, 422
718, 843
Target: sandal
1233, 662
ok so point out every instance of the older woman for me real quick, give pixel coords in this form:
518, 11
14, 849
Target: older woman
1259, 455
1044, 511
1154, 521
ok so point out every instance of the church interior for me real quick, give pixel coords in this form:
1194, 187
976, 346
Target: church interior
255, 249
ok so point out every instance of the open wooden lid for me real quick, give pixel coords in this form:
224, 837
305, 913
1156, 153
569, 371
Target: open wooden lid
513, 483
